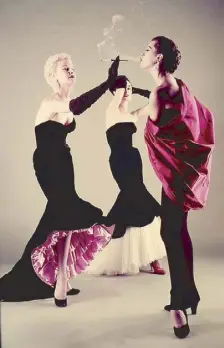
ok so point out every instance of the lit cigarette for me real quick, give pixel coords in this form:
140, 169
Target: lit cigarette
112, 60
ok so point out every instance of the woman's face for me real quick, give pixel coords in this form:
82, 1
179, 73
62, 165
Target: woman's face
65, 73
150, 57
128, 91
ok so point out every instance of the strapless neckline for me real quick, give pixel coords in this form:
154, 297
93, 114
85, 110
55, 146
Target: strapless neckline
121, 124
59, 123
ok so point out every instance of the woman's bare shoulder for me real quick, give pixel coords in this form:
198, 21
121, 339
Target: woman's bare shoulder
44, 113
52, 97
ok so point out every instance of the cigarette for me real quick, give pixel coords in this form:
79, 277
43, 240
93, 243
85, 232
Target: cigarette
113, 60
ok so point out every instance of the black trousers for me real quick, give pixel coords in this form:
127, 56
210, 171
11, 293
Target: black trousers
178, 244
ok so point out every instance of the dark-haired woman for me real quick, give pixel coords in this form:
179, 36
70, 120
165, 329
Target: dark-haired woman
179, 135
136, 244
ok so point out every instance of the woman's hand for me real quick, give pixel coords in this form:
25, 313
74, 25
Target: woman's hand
121, 82
113, 71
80, 104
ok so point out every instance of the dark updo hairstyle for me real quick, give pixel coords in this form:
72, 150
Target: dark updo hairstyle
170, 52
121, 82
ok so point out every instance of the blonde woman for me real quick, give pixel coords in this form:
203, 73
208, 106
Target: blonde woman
71, 231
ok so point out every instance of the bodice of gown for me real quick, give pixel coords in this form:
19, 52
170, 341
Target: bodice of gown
52, 134
53, 162
125, 160
119, 136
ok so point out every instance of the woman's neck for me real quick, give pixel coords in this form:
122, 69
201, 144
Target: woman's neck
64, 92
161, 78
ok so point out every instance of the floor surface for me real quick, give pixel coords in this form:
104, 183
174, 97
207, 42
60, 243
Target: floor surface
118, 312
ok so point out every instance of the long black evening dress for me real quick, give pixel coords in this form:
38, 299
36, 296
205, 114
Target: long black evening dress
134, 206
136, 240
34, 275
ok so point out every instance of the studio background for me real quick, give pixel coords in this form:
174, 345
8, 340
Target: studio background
30, 32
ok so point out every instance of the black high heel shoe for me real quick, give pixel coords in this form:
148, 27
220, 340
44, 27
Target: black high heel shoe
193, 308
183, 331
73, 291
70, 292
60, 303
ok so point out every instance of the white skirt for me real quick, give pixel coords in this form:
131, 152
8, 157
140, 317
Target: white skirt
137, 248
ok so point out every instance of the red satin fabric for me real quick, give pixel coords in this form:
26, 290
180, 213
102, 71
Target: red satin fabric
181, 150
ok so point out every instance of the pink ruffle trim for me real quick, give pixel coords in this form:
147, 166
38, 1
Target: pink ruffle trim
85, 245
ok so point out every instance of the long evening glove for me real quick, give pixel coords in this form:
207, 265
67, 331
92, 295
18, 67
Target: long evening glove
142, 92
121, 82
80, 104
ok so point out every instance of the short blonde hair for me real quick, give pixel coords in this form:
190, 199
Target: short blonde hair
50, 68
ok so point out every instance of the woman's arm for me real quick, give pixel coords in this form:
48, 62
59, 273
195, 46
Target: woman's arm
80, 104
152, 109
159, 101
117, 98
141, 92
49, 107
86, 100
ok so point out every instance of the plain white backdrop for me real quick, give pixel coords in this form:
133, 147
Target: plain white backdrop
120, 311
31, 31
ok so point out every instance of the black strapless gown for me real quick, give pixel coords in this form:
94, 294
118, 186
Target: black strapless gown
34, 275
134, 206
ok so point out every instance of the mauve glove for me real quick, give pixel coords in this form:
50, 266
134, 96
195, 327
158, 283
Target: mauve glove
113, 71
142, 92
80, 104
121, 82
